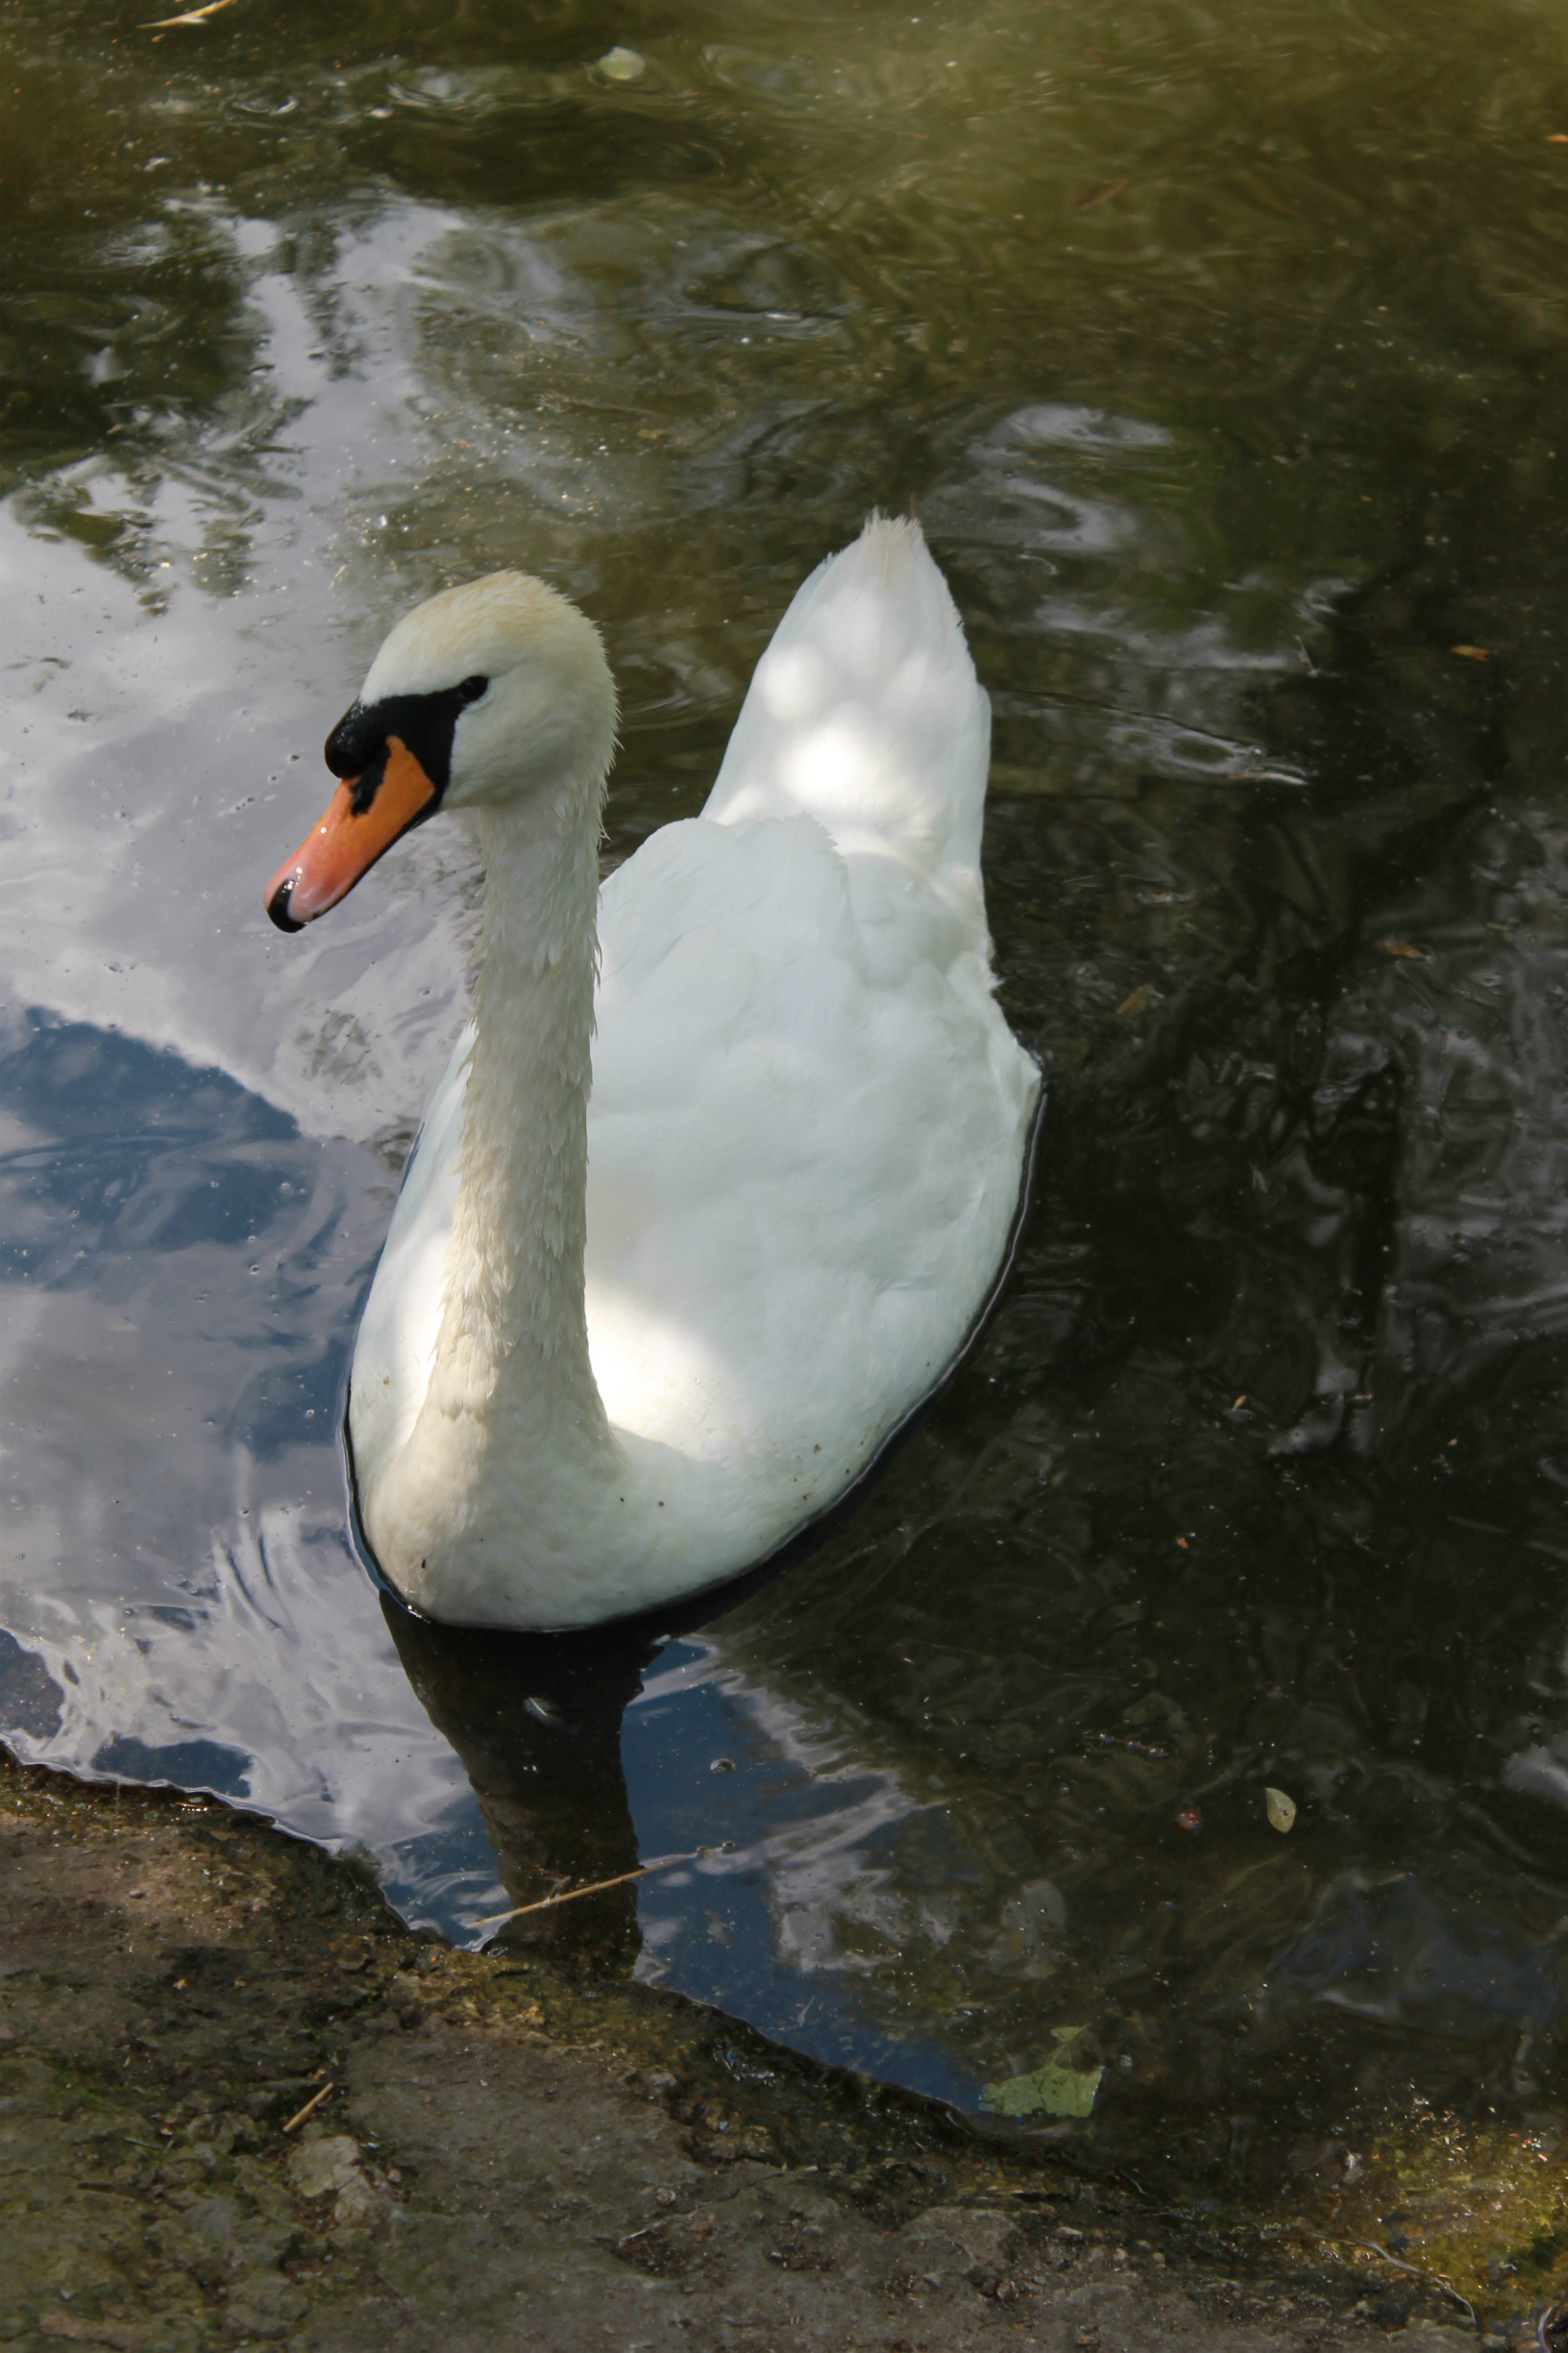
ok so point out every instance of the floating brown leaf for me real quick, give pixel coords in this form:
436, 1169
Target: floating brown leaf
1472, 653
1403, 948
1139, 1002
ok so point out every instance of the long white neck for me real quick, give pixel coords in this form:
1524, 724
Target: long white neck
511, 1371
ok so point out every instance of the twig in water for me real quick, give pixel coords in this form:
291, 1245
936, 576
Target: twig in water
190, 16
546, 1903
310, 2106
1436, 2278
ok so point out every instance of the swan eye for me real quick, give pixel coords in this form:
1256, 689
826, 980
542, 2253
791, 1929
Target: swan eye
472, 688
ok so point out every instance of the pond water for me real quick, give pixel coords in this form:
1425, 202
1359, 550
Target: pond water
1222, 353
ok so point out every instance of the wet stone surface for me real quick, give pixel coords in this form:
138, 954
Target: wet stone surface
503, 2150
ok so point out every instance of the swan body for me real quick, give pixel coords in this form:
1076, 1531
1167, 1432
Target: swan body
682, 1241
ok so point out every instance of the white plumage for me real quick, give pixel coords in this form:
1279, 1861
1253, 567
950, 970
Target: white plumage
803, 1140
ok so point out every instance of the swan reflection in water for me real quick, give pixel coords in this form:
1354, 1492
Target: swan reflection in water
537, 1719
589, 1753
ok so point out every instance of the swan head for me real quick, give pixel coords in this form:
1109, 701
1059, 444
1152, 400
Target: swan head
493, 692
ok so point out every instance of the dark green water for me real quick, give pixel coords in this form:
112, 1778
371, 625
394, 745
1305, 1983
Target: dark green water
1222, 353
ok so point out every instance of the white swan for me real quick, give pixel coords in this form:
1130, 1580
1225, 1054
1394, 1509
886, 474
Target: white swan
619, 1346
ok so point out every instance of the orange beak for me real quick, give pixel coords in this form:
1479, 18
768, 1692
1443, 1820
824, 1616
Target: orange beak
348, 841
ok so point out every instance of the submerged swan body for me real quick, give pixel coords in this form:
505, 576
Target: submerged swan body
685, 1235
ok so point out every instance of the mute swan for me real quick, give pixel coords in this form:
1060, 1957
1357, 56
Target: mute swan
619, 1346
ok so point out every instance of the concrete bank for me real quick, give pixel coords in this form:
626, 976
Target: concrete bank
499, 2152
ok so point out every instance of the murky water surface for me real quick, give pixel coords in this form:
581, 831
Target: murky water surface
1223, 355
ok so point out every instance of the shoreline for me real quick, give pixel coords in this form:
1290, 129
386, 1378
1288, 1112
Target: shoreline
241, 2105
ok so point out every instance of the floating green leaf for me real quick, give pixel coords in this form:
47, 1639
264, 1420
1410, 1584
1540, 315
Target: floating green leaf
1055, 2088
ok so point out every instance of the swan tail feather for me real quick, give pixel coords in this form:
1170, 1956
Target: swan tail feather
864, 712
